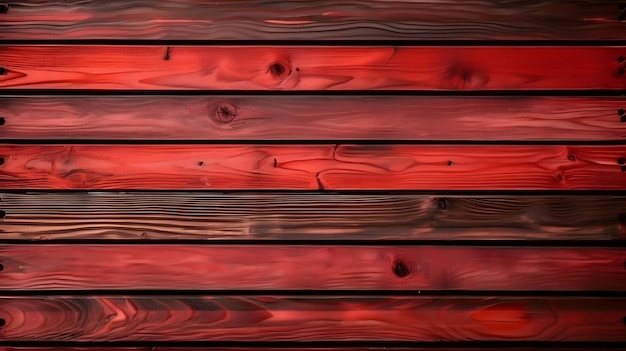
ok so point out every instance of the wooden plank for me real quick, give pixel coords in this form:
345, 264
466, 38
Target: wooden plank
340, 167
448, 68
297, 267
312, 20
315, 216
301, 348
271, 318
312, 118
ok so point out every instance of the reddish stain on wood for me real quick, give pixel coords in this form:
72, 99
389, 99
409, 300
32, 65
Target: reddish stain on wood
313, 67
312, 20
279, 267
273, 318
310, 167
279, 117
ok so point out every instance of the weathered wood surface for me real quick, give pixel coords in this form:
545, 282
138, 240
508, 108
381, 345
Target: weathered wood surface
315, 216
297, 267
312, 167
270, 318
445, 68
312, 118
314, 19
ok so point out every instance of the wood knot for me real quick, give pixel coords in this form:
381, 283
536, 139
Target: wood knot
621, 6
401, 269
2, 322
559, 177
1, 267
621, 160
2, 160
3, 71
443, 203
620, 59
4, 8
572, 158
621, 218
461, 76
2, 121
225, 113
279, 70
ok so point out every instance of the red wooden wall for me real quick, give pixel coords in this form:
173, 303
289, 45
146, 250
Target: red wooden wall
243, 175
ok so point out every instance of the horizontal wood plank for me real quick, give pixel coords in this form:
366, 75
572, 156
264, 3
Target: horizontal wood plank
319, 19
312, 167
290, 267
312, 118
301, 348
315, 216
447, 68
271, 318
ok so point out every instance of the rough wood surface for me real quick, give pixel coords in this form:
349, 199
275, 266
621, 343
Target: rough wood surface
270, 318
315, 216
314, 19
312, 167
312, 118
289, 267
450, 68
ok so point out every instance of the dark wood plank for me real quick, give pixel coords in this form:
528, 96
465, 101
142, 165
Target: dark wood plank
290, 267
318, 19
271, 318
312, 118
302, 348
313, 67
341, 167
315, 216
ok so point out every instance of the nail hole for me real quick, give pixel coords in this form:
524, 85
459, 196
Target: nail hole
1, 161
571, 158
297, 69
2, 121
400, 269
2, 322
201, 163
450, 163
2, 214
559, 177
1, 267
442, 203
621, 112
4, 8
621, 59
621, 160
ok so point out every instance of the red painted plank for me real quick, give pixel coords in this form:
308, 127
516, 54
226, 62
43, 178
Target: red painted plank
311, 167
312, 67
288, 267
313, 118
318, 19
270, 318
311, 216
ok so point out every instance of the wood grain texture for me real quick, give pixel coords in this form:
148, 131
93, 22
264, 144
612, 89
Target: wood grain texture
270, 318
291, 267
315, 216
315, 19
312, 167
312, 118
447, 68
